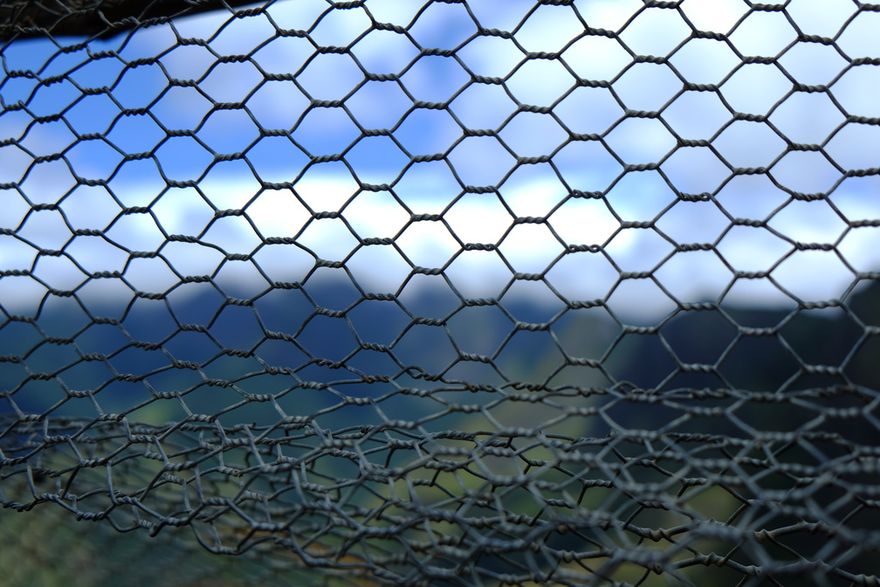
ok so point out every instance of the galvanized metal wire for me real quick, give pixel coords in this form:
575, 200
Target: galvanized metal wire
581, 447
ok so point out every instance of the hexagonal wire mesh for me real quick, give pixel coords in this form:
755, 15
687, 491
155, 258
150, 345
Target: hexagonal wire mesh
453, 292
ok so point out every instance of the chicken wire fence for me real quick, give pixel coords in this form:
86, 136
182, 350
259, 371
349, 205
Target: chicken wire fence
570, 292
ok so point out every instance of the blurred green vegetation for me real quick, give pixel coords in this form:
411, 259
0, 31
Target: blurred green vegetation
48, 547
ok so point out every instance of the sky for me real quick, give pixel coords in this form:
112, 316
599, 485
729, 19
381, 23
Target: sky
435, 187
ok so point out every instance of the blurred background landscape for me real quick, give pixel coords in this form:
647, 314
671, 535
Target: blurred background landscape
184, 237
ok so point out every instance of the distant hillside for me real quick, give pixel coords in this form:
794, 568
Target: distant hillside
768, 355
